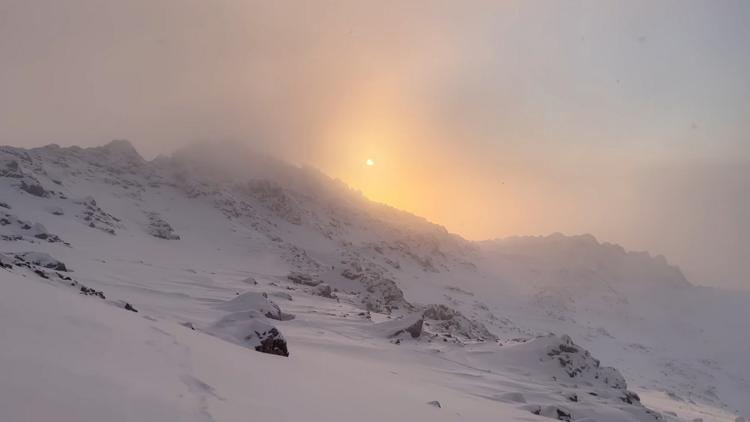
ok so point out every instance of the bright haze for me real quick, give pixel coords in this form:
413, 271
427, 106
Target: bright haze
627, 120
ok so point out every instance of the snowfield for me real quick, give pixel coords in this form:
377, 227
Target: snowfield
222, 285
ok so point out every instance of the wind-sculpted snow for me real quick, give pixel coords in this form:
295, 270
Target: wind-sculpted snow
256, 302
365, 300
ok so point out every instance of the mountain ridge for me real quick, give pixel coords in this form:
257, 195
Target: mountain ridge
175, 237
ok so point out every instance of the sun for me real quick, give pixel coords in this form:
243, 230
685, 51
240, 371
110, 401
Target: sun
370, 162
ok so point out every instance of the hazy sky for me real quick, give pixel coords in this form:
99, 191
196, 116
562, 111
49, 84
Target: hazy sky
629, 120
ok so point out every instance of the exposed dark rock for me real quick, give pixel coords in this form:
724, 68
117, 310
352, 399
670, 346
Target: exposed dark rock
563, 415
630, 397
272, 342
251, 281
42, 260
577, 363
324, 290
397, 328
87, 291
158, 227
351, 274
34, 189
414, 330
93, 216
301, 278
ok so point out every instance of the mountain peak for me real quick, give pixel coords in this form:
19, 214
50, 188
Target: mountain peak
120, 147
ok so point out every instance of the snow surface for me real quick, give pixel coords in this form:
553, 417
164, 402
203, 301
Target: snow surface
170, 266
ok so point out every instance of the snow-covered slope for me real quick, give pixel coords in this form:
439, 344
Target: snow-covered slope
158, 281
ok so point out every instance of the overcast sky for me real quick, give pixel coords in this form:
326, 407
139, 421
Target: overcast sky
628, 120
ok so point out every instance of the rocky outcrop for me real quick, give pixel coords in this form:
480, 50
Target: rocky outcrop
41, 259
13, 228
324, 290
271, 341
158, 227
577, 362
448, 322
35, 189
275, 198
93, 216
304, 279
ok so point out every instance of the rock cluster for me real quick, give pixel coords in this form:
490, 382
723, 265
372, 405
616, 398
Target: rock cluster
158, 227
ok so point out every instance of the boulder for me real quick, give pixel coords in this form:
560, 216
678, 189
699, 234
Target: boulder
252, 330
324, 290
271, 341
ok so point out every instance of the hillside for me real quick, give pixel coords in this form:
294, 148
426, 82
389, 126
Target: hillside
159, 281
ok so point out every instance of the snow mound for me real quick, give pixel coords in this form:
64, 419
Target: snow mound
251, 330
258, 303
409, 326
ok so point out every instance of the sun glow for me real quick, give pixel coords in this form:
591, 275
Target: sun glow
370, 162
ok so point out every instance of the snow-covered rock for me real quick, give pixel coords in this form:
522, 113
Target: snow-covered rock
13, 229
256, 302
158, 227
449, 323
42, 259
560, 357
251, 330
240, 214
409, 326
